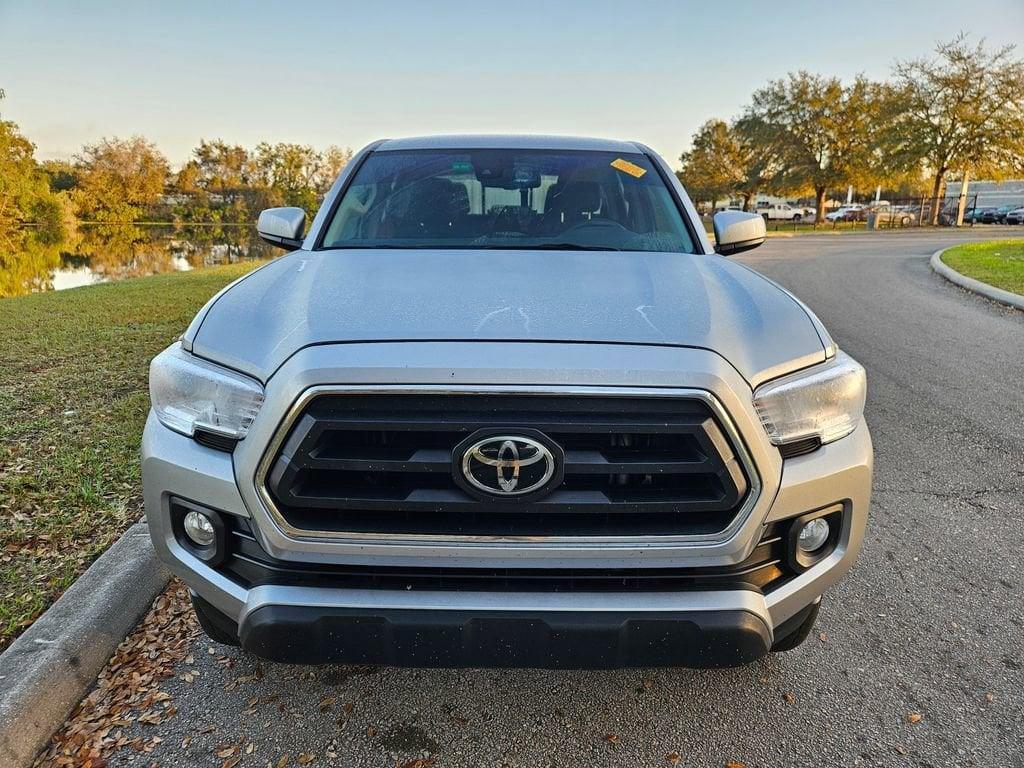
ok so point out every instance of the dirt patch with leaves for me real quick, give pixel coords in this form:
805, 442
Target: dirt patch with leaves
128, 689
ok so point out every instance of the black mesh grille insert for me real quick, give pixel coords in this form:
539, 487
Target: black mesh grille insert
383, 464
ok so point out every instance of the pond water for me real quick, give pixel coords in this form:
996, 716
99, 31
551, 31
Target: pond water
99, 253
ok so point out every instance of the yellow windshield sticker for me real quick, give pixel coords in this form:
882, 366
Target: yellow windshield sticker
627, 167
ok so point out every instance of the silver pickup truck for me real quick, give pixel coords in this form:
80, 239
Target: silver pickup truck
504, 404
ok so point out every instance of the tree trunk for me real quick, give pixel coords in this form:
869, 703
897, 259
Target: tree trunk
940, 177
819, 205
746, 201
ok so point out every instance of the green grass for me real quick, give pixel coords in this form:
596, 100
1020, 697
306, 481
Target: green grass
73, 400
996, 262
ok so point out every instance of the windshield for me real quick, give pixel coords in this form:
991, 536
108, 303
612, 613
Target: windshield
503, 198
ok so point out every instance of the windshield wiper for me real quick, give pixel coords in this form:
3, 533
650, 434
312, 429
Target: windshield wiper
551, 247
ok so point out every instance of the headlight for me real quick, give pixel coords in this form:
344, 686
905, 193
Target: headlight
190, 395
823, 402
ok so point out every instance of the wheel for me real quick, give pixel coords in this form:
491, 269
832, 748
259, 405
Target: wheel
797, 218
795, 630
215, 624
905, 221
765, 217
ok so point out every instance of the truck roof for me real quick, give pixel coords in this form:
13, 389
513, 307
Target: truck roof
510, 141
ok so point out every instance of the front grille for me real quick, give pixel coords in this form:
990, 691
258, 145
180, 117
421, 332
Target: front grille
250, 566
382, 464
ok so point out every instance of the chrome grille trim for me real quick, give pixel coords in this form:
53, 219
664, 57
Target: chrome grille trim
298, 407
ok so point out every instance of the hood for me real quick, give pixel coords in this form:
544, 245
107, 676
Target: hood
618, 297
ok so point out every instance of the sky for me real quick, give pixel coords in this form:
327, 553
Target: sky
347, 73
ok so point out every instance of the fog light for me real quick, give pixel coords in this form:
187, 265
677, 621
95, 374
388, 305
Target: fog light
201, 531
813, 535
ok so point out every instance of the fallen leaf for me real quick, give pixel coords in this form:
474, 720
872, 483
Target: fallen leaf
282, 761
734, 764
673, 758
914, 718
128, 689
611, 738
789, 697
305, 758
823, 637
227, 751
231, 762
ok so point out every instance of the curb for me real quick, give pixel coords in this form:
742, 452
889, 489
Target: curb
45, 673
976, 286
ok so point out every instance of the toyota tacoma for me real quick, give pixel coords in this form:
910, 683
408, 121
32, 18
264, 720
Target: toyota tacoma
504, 403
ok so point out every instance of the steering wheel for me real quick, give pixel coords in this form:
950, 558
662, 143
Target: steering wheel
597, 223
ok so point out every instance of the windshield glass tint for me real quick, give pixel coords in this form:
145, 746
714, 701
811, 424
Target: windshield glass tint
489, 198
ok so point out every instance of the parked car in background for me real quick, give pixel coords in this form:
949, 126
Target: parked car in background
779, 212
974, 215
894, 216
996, 215
849, 212
1016, 216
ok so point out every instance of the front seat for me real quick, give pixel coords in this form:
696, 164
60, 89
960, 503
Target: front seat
571, 203
430, 207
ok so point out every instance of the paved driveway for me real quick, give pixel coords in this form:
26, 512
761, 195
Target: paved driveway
931, 621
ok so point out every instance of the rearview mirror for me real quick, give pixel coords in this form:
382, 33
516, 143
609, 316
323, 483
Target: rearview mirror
736, 231
282, 227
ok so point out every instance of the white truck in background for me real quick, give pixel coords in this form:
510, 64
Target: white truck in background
783, 212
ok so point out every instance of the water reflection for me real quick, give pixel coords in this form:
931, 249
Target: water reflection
31, 260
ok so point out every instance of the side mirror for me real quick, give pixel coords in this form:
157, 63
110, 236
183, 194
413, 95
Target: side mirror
282, 227
736, 231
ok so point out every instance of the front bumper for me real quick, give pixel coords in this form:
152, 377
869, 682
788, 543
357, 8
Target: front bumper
555, 639
423, 627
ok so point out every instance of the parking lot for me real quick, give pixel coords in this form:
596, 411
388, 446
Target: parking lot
917, 658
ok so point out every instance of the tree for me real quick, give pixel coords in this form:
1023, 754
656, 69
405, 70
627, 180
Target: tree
25, 196
716, 166
332, 161
817, 133
289, 172
964, 113
119, 179
724, 162
221, 168
61, 175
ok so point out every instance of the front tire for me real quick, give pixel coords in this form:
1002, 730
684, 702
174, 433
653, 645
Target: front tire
794, 631
215, 624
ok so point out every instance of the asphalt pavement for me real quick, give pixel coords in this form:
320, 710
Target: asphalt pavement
918, 656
